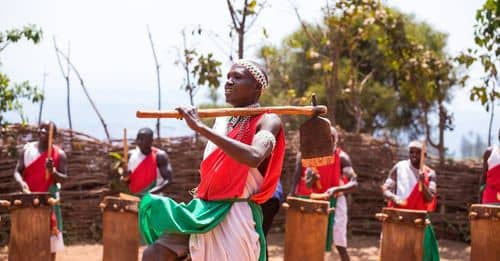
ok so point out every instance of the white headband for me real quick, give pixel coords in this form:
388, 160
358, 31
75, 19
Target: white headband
255, 71
415, 144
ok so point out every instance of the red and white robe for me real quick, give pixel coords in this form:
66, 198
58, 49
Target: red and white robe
144, 171
491, 192
223, 178
34, 176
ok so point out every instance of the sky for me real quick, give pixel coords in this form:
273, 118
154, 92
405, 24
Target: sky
109, 45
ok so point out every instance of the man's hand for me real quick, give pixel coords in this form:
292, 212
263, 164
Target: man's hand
331, 192
190, 115
311, 177
398, 201
421, 176
49, 165
25, 188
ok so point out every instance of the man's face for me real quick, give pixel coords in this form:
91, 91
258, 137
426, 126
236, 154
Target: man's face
43, 132
144, 142
415, 156
241, 88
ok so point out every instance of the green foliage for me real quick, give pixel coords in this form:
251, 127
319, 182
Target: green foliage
374, 67
207, 71
200, 68
486, 53
12, 94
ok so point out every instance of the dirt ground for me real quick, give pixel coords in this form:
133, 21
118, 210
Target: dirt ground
360, 248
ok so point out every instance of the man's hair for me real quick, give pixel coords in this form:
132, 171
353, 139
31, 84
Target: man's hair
146, 131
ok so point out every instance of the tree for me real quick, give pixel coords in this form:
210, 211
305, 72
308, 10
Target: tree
487, 54
375, 68
11, 94
200, 69
239, 17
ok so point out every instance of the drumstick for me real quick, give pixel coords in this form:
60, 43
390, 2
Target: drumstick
49, 149
125, 151
422, 159
211, 113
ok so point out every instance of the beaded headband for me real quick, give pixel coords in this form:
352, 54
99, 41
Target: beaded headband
255, 71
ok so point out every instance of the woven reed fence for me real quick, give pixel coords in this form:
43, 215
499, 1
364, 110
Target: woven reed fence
91, 176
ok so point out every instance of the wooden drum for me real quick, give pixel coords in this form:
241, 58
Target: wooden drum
306, 228
485, 232
29, 225
120, 228
402, 234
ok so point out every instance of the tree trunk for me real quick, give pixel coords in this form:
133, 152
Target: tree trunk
241, 39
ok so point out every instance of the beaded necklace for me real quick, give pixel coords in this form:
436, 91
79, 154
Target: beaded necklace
242, 121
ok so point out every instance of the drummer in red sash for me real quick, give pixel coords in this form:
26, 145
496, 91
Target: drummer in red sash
31, 174
490, 180
407, 187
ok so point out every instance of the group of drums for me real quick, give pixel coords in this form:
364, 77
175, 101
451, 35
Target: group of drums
305, 229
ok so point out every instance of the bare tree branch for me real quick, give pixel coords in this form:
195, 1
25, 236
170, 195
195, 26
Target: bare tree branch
304, 27
157, 67
41, 101
86, 93
256, 15
67, 79
233, 14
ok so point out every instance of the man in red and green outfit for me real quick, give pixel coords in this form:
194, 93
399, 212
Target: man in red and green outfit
148, 167
409, 188
490, 180
241, 168
30, 173
334, 181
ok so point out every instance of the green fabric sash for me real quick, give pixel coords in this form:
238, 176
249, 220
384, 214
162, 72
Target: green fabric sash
331, 221
431, 248
53, 189
159, 215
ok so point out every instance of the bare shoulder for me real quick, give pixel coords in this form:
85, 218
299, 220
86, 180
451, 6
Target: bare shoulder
270, 122
61, 153
161, 153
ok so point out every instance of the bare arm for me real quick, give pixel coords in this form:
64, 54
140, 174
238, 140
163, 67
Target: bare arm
428, 191
165, 171
58, 173
388, 189
347, 171
296, 174
251, 155
17, 173
482, 178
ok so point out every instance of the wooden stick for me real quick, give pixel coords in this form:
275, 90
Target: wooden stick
49, 149
422, 162
125, 151
210, 113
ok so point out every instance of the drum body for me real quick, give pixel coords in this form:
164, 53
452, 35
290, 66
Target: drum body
485, 231
305, 229
29, 225
402, 234
120, 229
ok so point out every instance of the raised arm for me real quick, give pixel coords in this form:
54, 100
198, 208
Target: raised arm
296, 174
165, 171
482, 178
429, 191
347, 171
251, 155
58, 173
